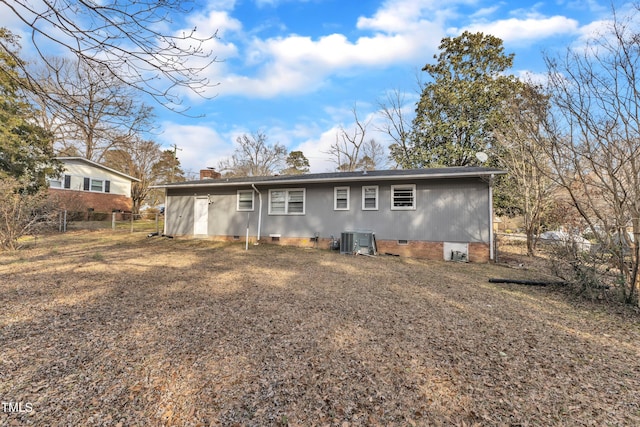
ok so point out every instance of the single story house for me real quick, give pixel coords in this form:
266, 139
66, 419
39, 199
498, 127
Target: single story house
89, 186
425, 213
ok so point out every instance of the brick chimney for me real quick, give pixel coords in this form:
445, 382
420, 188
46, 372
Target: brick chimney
209, 173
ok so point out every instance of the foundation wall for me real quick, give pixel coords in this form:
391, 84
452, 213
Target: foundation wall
478, 252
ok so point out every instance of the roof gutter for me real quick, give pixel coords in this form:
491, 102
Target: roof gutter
222, 182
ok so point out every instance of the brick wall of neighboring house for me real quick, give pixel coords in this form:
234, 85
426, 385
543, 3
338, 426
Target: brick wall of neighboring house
82, 201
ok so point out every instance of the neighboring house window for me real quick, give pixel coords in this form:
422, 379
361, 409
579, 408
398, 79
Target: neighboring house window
341, 198
59, 182
403, 197
287, 202
245, 200
370, 198
97, 185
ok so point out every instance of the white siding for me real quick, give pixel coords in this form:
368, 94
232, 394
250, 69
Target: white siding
79, 170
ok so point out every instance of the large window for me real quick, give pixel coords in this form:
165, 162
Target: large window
370, 198
403, 197
287, 202
341, 198
245, 200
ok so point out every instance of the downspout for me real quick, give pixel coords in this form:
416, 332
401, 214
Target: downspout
259, 211
491, 243
166, 205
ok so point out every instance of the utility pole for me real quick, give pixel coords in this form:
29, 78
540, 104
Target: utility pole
175, 159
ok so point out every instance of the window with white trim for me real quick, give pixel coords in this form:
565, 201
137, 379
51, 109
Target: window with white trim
370, 198
287, 202
97, 185
92, 184
341, 198
63, 181
245, 200
403, 197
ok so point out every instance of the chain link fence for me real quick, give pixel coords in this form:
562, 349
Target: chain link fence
145, 222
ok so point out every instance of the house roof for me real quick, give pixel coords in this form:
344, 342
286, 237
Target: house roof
97, 165
375, 175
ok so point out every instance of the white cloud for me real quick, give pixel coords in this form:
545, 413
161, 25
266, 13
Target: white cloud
402, 32
199, 146
315, 149
405, 16
299, 64
517, 30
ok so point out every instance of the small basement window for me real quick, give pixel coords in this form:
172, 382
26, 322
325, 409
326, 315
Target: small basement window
403, 242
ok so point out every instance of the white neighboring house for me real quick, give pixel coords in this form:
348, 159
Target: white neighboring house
87, 186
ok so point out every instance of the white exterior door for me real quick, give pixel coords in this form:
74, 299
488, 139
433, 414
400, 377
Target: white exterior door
200, 215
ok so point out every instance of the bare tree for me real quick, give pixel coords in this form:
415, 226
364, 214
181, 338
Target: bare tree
518, 151
254, 156
137, 158
352, 150
93, 112
372, 155
397, 126
594, 142
125, 39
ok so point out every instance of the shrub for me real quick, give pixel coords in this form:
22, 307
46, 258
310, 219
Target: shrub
21, 212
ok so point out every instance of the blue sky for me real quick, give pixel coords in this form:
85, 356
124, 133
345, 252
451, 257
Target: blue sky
295, 69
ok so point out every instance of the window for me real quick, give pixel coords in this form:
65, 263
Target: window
277, 202
287, 202
91, 184
295, 202
60, 182
403, 197
97, 185
370, 198
245, 200
341, 198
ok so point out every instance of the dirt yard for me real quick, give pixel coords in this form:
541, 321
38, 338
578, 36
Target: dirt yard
123, 330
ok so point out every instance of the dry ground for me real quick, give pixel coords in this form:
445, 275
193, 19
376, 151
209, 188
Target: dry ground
123, 330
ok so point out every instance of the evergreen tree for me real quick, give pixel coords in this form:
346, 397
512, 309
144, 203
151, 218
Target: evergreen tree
461, 107
297, 164
26, 150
